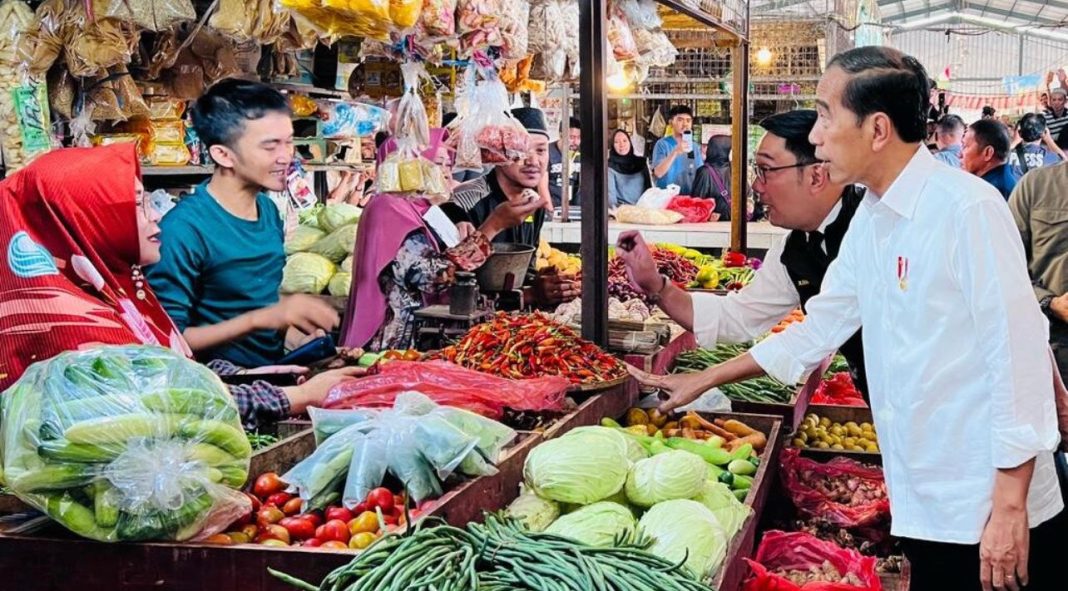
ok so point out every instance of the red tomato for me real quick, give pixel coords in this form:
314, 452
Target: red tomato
335, 545
412, 355
221, 539
380, 497
267, 484
360, 508
273, 532
268, 515
312, 543
399, 500
390, 519
335, 529
299, 529
292, 506
278, 499
256, 504
251, 530
339, 513
315, 517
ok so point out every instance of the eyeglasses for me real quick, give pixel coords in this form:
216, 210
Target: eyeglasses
761, 172
146, 206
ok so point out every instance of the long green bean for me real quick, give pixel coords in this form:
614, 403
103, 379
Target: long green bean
765, 390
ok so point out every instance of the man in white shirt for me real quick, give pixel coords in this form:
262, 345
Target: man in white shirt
799, 196
958, 368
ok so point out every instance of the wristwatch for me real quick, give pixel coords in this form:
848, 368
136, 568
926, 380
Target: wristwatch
1044, 305
654, 298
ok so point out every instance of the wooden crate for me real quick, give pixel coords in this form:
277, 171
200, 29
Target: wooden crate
842, 414
610, 403
662, 361
792, 412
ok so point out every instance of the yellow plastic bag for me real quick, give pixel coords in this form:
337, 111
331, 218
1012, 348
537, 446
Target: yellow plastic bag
405, 13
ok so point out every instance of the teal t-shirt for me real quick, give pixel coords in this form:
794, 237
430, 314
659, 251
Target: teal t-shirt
216, 266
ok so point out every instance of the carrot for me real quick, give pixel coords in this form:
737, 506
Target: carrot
757, 439
710, 426
738, 428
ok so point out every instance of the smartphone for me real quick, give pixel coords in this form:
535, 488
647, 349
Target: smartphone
310, 352
687, 140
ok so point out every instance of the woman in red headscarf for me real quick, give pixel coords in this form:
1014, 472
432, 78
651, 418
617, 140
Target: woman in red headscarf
75, 229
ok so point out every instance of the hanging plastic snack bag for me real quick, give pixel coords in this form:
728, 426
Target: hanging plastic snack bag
406, 170
462, 135
478, 23
154, 15
548, 36
24, 116
348, 119
438, 18
500, 138
334, 19
620, 37
126, 444
405, 13
640, 14
515, 15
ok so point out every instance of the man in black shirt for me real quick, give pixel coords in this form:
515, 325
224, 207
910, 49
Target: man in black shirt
800, 196
515, 185
556, 163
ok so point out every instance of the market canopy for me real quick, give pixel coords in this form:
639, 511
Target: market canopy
1026, 16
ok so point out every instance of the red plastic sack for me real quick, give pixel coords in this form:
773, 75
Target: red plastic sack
799, 474
449, 385
801, 551
693, 210
839, 389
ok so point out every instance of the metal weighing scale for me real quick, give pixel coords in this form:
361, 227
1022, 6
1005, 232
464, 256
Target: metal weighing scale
499, 287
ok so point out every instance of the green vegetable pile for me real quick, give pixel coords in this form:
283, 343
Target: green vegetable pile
125, 444
319, 251
591, 484
498, 556
765, 389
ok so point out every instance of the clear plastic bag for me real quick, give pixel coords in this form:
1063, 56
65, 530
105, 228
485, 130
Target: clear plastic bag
126, 444
405, 170
515, 37
348, 120
553, 35
488, 125
21, 136
640, 14
449, 385
620, 37
417, 441
334, 19
438, 18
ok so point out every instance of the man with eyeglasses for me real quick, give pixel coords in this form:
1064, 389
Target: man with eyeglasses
799, 196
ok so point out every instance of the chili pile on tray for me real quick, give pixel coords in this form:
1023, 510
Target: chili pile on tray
533, 345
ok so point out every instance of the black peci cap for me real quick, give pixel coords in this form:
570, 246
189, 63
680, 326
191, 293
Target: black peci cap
532, 119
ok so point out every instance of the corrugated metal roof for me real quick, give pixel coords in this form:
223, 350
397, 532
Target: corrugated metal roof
1048, 14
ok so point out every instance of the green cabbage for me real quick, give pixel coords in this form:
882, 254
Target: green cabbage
340, 284
306, 272
686, 529
337, 245
346, 265
336, 215
302, 238
580, 468
729, 511
634, 450
310, 216
599, 524
671, 475
534, 512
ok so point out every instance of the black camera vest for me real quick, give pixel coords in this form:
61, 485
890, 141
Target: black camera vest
807, 263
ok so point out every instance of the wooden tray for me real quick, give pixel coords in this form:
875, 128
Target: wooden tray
661, 362
842, 414
599, 386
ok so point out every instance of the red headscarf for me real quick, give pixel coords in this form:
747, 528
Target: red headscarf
68, 242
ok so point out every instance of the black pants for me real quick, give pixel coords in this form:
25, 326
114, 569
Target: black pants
939, 566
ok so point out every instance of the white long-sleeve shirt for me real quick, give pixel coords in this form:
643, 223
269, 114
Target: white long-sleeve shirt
955, 345
752, 311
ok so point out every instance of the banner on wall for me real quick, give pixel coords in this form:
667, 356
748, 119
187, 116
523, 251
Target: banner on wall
1022, 84
1001, 102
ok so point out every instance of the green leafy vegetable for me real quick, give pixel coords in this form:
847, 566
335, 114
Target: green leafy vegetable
671, 475
600, 524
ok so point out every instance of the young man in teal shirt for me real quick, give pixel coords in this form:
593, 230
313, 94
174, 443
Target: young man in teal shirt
223, 246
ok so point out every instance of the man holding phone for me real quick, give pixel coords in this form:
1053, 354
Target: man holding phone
676, 157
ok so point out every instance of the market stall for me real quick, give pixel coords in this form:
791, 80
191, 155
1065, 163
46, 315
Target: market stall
714, 235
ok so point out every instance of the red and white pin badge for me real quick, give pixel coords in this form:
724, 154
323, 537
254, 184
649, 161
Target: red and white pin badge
903, 273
